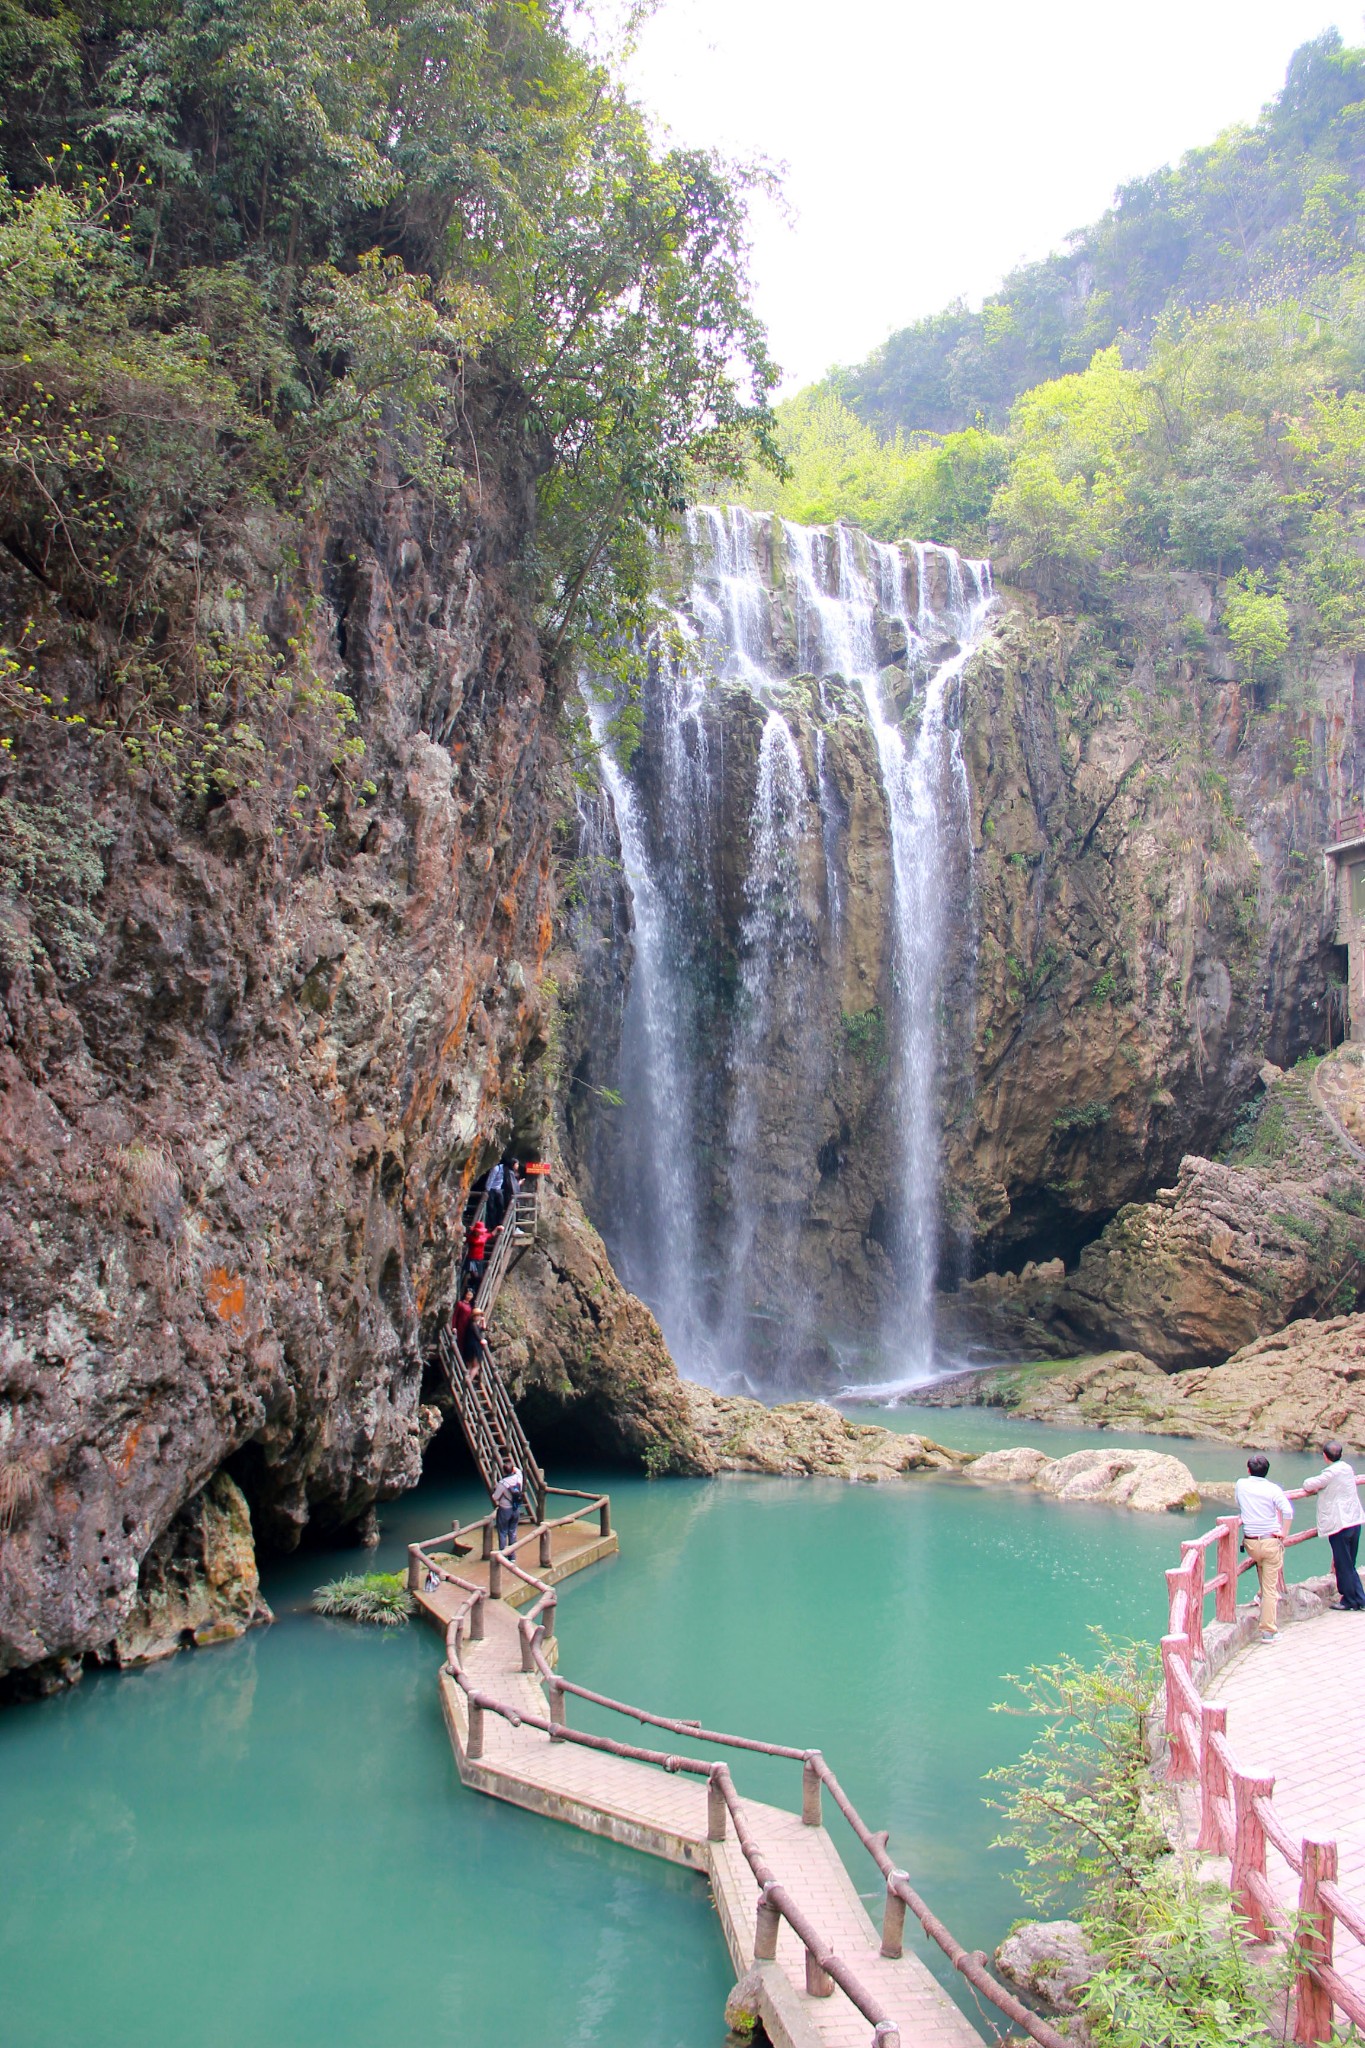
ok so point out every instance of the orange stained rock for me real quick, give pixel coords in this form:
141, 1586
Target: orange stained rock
226, 1294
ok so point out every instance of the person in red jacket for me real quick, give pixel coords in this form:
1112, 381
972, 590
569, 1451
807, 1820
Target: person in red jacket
478, 1244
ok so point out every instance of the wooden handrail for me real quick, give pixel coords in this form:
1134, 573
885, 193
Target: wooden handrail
1237, 1816
971, 1964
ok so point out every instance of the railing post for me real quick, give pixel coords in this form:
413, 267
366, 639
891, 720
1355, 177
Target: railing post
716, 1815
810, 1791
1193, 1553
414, 1569
886, 2034
559, 1717
547, 1616
893, 1919
528, 1662
547, 1556
473, 1748
494, 1576
765, 1930
1175, 1651
819, 1983
489, 1542
604, 1517
1312, 2001
476, 1618
1213, 1779
1225, 1599
1248, 1848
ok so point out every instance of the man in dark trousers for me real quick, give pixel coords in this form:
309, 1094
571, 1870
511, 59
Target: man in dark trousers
1339, 1521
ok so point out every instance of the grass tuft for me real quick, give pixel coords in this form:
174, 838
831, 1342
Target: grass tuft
380, 1597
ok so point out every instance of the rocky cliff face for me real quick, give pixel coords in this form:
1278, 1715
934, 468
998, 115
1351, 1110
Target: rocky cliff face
234, 1155
1135, 922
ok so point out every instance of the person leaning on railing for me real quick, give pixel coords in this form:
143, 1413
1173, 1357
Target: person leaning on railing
1266, 1512
1339, 1521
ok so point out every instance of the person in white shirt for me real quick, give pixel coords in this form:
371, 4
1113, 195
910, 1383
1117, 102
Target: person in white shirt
1339, 1521
507, 1499
1266, 1514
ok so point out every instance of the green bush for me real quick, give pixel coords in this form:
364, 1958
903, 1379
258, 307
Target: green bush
379, 1597
1079, 1806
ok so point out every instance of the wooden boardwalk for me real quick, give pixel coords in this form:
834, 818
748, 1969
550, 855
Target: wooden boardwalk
665, 1815
1296, 1713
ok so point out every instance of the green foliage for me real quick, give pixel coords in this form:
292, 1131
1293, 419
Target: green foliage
1262, 214
866, 1038
1075, 1804
1174, 1969
1257, 623
253, 251
378, 1597
936, 487
1088, 1116
1184, 389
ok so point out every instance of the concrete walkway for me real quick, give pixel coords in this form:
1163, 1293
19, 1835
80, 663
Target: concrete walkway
664, 1815
1296, 1713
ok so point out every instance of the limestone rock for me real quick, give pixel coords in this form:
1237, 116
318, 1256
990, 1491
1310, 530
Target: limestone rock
1291, 1391
1018, 1467
808, 1439
1146, 1480
584, 1357
198, 1583
1231, 1252
1047, 1961
234, 1157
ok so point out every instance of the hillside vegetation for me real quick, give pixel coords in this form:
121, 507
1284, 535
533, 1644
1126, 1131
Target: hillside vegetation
246, 251
1182, 389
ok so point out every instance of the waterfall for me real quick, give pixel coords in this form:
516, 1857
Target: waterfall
726, 1065
652, 1208
772, 1016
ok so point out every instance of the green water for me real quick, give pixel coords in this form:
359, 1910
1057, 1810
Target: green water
992, 1429
265, 1845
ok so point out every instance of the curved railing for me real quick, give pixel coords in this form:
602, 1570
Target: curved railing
1237, 1818
824, 1968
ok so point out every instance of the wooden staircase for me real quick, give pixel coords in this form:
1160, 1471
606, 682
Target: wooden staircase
487, 1415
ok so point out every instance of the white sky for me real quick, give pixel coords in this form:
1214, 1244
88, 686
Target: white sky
929, 150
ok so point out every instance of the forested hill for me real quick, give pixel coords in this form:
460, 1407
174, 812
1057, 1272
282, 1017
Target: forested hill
1184, 391
1263, 213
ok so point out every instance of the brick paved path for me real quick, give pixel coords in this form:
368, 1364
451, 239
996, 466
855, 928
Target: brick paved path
1296, 1712
663, 1815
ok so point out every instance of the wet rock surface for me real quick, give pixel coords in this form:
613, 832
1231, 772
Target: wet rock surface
198, 1583
585, 1360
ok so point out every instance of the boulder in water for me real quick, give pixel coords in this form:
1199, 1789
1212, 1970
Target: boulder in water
1147, 1480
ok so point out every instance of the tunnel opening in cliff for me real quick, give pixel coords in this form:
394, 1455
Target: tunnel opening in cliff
1039, 1227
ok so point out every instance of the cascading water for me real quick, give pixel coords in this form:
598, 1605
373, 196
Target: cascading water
732, 827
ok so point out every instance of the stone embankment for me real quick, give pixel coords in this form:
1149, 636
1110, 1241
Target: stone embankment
1288, 1391
810, 1440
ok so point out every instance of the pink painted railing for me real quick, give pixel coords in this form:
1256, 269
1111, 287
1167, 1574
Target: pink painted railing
1237, 1818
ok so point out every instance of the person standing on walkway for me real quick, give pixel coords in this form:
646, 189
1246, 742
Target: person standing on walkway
497, 1200
1266, 1512
1339, 1521
507, 1498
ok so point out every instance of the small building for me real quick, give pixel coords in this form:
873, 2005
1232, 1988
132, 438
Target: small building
1343, 860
